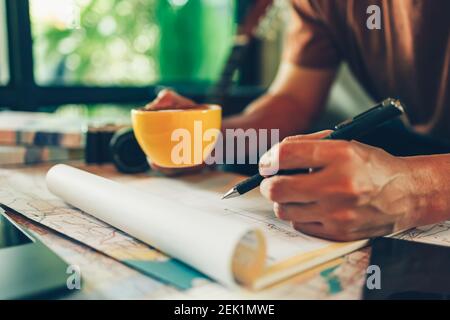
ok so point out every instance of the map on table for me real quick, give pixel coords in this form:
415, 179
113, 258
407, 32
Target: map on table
26, 192
105, 278
102, 277
433, 234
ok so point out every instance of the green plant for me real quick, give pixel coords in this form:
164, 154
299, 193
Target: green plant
131, 42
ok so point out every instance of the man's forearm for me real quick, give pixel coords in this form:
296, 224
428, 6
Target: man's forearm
294, 99
273, 112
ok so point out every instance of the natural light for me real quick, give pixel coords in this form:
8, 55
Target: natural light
4, 70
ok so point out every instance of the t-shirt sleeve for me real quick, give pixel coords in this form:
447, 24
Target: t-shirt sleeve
309, 42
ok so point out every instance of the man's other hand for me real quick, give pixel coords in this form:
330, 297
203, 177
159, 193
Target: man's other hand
168, 99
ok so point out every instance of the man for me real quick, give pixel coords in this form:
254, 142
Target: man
361, 191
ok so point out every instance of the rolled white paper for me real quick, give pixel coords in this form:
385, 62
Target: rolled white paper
203, 240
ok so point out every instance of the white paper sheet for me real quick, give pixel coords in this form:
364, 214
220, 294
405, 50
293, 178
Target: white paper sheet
204, 241
204, 194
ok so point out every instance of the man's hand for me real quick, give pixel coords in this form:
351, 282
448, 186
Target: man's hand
168, 99
357, 191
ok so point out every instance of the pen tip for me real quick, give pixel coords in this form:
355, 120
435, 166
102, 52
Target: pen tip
231, 194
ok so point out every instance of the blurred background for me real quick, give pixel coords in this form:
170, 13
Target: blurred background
59, 52
72, 68
129, 42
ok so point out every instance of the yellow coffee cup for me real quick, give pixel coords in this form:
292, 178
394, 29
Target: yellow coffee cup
177, 138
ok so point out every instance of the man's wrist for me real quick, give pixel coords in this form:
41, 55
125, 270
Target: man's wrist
429, 189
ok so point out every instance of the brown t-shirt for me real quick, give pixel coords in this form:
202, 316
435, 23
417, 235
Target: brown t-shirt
408, 58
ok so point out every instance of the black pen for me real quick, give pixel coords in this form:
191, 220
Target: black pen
347, 130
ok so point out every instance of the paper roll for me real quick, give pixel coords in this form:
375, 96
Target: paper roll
220, 247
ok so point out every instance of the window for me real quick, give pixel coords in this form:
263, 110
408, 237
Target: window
129, 42
113, 51
4, 67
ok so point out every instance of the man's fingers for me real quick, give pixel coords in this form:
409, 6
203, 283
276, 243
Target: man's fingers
300, 213
377, 231
168, 99
316, 229
269, 162
321, 211
337, 224
303, 154
301, 188
313, 136
323, 231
